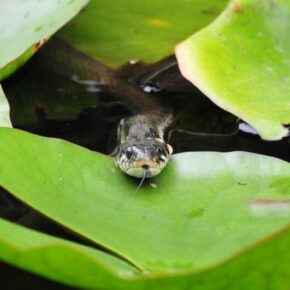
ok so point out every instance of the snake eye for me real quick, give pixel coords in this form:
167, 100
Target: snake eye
159, 151
129, 153
161, 155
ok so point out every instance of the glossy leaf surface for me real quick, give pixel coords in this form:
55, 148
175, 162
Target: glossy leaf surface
115, 32
181, 220
241, 62
265, 265
58, 259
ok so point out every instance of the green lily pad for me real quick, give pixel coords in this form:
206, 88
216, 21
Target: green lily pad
58, 259
202, 210
242, 62
115, 32
26, 25
265, 265
4, 110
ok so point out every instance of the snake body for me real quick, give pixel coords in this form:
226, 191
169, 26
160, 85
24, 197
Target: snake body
141, 150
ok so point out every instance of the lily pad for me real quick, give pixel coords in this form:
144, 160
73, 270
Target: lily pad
115, 32
26, 25
178, 221
265, 265
242, 63
4, 110
58, 259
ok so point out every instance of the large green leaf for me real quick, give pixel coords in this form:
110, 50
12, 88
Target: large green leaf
202, 210
25, 25
241, 62
58, 259
4, 110
264, 266
115, 32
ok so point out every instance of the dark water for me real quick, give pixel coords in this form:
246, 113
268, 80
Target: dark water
58, 94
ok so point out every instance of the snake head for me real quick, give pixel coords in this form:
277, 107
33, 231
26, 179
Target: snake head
150, 156
141, 151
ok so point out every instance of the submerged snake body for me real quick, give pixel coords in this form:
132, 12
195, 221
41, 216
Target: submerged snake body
141, 150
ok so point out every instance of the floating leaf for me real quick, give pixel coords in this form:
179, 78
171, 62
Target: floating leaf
242, 62
115, 32
178, 221
263, 266
25, 25
58, 259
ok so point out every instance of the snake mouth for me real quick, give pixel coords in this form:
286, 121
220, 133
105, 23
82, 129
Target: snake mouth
139, 172
136, 168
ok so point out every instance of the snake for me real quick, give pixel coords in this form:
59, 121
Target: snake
141, 150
